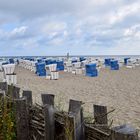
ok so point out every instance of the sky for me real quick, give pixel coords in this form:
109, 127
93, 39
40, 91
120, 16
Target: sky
80, 27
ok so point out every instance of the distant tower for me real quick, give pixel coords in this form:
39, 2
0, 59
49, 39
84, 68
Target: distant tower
68, 56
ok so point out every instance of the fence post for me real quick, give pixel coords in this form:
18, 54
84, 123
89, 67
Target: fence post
13, 91
28, 95
76, 110
100, 114
124, 132
47, 99
16, 92
49, 122
49, 113
22, 122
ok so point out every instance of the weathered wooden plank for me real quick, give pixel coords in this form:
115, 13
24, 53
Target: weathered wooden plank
22, 122
64, 126
49, 122
28, 95
75, 109
13, 91
124, 132
74, 106
47, 99
95, 133
100, 114
16, 92
69, 128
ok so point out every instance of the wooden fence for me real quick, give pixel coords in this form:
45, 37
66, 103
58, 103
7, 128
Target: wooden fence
44, 122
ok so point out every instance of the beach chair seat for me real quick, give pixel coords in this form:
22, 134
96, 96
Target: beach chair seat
69, 69
129, 66
78, 71
54, 75
11, 79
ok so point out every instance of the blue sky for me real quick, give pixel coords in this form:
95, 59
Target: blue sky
82, 27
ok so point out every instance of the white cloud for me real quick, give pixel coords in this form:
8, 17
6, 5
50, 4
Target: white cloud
124, 12
54, 26
65, 33
133, 32
18, 32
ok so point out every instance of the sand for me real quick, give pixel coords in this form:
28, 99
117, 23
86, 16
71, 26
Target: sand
118, 90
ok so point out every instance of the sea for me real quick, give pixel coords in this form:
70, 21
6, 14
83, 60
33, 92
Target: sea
4, 58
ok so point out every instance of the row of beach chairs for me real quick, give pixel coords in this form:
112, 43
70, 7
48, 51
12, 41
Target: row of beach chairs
40, 68
88, 66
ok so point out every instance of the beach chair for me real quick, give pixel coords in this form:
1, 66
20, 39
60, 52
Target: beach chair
68, 66
76, 68
91, 70
130, 64
40, 69
10, 76
114, 65
52, 72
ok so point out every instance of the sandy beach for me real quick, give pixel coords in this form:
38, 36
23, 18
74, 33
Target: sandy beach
118, 90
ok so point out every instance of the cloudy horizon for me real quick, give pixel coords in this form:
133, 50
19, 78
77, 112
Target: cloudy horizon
81, 27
